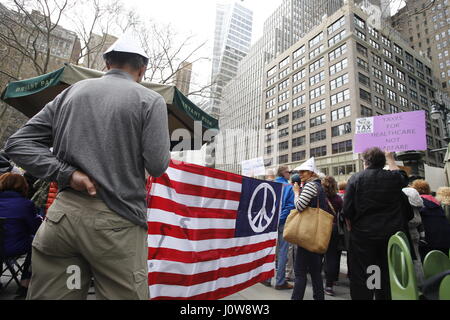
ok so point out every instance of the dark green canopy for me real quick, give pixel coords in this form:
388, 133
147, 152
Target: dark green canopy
31, 95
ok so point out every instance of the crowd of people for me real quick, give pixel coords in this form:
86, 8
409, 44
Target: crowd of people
368, 209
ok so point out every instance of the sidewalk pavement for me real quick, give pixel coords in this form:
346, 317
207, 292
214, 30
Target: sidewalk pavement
255, 292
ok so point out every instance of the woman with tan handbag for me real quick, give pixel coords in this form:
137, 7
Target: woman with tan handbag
311, 196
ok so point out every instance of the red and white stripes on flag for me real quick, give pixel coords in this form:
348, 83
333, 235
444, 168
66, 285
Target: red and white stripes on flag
193, 250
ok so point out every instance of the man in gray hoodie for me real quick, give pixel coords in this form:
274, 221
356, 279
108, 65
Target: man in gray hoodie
105, 133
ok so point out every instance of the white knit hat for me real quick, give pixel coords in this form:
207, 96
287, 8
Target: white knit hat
127, 43
309, 165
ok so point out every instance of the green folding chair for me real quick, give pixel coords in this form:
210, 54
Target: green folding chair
435, 262
404, 237
444, 289
401, 270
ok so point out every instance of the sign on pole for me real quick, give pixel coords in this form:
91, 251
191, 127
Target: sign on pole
253, 167
392, 132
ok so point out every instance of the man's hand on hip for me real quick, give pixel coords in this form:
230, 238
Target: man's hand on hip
82, 182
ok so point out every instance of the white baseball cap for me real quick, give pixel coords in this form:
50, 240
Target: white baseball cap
127, 43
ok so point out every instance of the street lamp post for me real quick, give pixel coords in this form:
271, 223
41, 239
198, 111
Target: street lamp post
439, 111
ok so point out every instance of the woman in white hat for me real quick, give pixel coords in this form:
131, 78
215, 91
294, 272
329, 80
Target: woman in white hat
306, 261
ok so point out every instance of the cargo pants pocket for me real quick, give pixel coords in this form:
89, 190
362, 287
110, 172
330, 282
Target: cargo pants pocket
115, 238
49, 238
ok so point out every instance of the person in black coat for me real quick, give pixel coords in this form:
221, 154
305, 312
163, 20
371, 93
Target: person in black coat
374, 212
437, 227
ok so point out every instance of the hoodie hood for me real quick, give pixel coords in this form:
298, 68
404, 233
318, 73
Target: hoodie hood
414, 197
430, 201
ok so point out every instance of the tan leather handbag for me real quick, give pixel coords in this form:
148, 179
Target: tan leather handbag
311, 229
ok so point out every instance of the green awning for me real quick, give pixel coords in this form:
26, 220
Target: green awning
31, 95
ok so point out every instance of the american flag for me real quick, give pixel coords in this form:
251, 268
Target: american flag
211, 233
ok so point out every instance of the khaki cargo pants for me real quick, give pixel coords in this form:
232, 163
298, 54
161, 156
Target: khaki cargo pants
82, 238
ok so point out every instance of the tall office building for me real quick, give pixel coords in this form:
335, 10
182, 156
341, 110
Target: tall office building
240, 119
426, 24
182, 78
232, 39
341, 70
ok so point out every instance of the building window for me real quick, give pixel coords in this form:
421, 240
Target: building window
270, 114
316, 40
344, 169
340, 113
270, 103
362, 64
298, 113
283, 85
296, 142
374, 33
400, 74
270, 125
409, 57
284, 73
376, 59
284, 107
392, 108
271, 72
387, 53
363, 79
299, 101
363, 94
283, 63
297, 156
399, 61
299, 75
268, 150
377, 73
403, 101
341, 65
390, 81
412, 82
283, 96
317, 92
318, 136
397, 49
316, 78
336, 25
366, 112
299, 63
361, 35
317, 121
339, 81
340, 97
388, 67
283, 158
283, 120
374, 44
316, 64
379, 103
391, 95
332, 41
316, 51
359, 22
298, 127
299, 52
413, 94
341, 130
361, 49
385, 41
337, 52
299, 87
318, 152
343, 146
283, 145
317, 106
283, 132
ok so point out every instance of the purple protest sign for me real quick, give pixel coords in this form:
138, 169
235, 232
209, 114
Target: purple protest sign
392, 132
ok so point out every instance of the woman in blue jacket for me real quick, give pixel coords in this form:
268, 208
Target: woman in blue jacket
21, 223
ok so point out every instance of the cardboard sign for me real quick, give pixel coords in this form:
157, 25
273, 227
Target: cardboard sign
253, 167
392, 132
